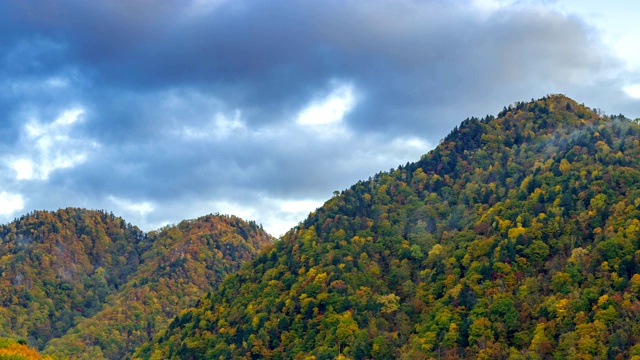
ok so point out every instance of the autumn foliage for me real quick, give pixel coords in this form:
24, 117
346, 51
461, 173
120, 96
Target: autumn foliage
13, 350
517, 237
86, 284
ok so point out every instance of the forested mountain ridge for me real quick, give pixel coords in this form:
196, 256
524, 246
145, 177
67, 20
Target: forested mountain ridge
517, 237
56, 267
86, 284
184, 262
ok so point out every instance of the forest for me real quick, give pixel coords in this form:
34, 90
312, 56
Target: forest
85, 284
517, 237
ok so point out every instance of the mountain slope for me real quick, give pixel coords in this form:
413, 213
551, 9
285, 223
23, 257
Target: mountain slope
13, 350
184, 262
87, 284
517, 237
56, 267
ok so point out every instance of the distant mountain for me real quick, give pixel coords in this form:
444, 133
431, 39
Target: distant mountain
86, 284
517, 237
59, 267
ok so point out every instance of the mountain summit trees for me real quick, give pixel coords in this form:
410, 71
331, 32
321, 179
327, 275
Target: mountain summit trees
86, 284
518, 236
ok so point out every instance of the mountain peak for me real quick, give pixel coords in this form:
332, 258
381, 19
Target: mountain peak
517, 236
85, 282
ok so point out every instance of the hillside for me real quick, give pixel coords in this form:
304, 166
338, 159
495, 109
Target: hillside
517, 237
58, 267
184, 262
86, 284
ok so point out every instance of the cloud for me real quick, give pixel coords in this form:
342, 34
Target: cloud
49, 147
330, 108
10, 203
633, 91
142, 208
162, 111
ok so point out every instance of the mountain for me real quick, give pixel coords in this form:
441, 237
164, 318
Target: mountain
184, 262
86, 284
517, 237
58, 267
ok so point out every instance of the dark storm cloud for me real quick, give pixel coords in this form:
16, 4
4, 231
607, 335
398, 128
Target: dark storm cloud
189, 104
268, 57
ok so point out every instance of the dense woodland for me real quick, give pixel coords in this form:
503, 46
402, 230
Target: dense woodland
517, 237
58, 267
86, 284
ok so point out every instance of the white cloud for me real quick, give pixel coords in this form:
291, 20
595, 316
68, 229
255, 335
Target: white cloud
23, 168
10, 203
221, 127
330, 109
633, 91
403, 148
297, 206
615, 22
142, 207
49, 147
291, 212
68, 117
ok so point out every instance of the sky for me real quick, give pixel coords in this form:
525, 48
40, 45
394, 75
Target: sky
161, 111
